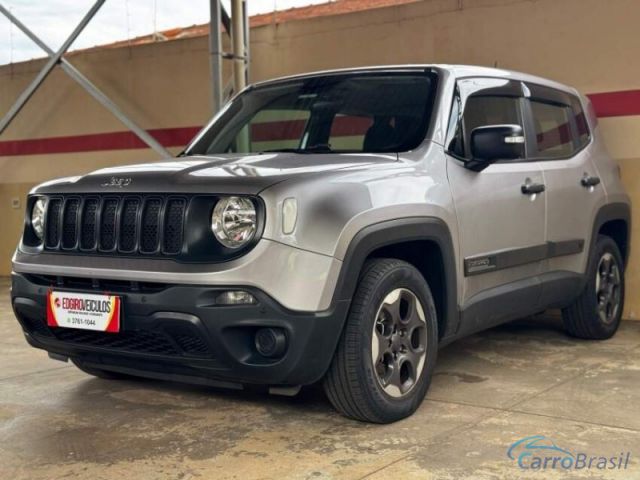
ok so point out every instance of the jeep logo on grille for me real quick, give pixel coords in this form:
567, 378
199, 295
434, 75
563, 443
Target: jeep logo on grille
117, 182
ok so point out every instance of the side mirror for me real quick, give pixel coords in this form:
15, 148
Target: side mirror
495, 142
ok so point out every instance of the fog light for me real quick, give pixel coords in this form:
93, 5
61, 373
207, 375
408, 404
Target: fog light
236, 297
271, 342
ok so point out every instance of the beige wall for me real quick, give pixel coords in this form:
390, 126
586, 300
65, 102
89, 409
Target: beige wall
591, 44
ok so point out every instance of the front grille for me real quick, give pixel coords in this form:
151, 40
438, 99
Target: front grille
129, 224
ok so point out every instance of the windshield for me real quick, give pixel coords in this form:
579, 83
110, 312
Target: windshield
350, 113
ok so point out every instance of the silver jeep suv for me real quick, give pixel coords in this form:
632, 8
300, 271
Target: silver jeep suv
337, 227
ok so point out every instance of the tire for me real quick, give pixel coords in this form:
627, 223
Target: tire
100, 373
596, 313
369, 393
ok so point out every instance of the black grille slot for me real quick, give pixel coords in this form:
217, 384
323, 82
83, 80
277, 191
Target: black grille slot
129, 225
53, 223
174, 225
89, 224
70, 223
150, 232
108, 224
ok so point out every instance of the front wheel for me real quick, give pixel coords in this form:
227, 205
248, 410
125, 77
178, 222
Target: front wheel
385, 358
596, 313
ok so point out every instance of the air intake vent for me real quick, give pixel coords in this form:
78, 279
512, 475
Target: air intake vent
174, 226
108, 225
54, 211
129, 225
150, 234
70, 224
88, 237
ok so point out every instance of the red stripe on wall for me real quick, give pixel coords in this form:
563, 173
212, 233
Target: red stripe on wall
616, 104
169, 137
607, 104
343, 126
272, 131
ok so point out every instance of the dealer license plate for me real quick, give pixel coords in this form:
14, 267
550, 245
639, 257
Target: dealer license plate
84, 311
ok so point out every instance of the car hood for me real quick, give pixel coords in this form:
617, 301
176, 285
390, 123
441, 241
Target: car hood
225, 174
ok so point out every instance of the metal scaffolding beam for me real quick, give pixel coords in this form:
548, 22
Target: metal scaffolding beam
240, 49
46, 70
247, 30
236, 26
238, 10
55, 58
216, 54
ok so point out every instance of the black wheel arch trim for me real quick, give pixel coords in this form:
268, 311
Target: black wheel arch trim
395, 231
612, 212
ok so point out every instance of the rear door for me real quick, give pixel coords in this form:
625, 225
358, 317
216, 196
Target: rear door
559, 135
501, 229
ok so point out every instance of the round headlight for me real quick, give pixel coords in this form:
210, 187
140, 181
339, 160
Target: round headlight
37, 218
234, 221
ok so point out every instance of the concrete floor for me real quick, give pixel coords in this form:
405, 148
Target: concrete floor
526, 378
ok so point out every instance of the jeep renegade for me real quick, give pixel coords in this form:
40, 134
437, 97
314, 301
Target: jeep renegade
337, 227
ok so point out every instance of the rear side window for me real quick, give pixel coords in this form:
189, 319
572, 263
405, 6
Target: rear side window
552, 126
582, 126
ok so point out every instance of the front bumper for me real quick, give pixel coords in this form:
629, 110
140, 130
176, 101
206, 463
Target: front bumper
177, 332
306, 281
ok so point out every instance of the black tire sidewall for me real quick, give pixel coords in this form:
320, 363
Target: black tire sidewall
604, 245
400, 276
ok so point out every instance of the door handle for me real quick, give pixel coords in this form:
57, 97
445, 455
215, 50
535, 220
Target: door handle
532, 188
589, 181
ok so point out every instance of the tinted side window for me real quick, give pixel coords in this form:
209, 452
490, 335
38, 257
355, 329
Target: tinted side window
584, 135
482, 111
552, 126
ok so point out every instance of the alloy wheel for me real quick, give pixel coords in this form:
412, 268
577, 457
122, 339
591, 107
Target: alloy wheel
608, 288
399, 342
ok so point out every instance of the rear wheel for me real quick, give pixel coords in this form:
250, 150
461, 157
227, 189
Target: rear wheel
596, 313
100, 373
384, 362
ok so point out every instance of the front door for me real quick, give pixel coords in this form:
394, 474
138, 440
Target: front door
501, 224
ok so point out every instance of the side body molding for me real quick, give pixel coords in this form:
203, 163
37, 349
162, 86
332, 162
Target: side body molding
396, 231
556, 289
